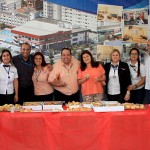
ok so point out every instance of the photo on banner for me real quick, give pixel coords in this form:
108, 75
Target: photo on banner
76, 24
104, 51
136, 34
109, 33
109, 13
135, 16
142, 49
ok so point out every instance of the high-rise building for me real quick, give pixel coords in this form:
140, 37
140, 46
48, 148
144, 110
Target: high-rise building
76, 17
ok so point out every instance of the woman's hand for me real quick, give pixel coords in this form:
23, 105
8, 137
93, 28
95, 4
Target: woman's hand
127, 96
16, 98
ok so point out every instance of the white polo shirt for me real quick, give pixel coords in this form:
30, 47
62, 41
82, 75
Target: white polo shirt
7, 76
133, 72
147, 70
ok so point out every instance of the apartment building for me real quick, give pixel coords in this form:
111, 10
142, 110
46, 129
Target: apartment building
10, 5
74, 16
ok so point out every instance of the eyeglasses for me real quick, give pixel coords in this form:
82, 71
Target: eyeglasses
134, 54
25, 49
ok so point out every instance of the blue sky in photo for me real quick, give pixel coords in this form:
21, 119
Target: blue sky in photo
91, 5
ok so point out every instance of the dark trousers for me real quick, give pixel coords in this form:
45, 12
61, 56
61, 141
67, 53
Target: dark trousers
58, 96
26, 94
6, 99
48, 97
117, 97
137, 96
147, 96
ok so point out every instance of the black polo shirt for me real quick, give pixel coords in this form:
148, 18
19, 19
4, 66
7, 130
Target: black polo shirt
25, 70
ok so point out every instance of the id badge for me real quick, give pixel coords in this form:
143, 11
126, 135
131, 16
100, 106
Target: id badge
114, 77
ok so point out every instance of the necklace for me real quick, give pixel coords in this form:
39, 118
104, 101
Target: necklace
68, 69
37, 74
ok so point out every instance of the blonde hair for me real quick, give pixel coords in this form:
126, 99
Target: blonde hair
113, 51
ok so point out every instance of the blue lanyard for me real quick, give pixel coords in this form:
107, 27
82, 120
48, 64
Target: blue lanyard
115, 68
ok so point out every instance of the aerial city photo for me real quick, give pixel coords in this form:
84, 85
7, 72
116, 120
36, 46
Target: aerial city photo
50, 25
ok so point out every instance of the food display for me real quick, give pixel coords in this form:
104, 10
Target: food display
79, 109
107, 106
7, 107
52, 105
74, 104
32, 105
26, 110
87, 104
56, 106
133, 106
97, 104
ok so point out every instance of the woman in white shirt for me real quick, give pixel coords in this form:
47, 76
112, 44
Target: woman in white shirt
8, 79
137, 72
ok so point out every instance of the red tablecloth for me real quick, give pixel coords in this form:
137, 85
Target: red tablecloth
129, 130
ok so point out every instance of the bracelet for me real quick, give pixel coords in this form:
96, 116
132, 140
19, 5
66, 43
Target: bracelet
128, 93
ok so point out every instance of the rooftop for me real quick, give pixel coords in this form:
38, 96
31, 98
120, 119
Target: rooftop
39, 28
11, 1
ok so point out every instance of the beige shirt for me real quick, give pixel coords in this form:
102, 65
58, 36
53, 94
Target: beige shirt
40, 81
67, 74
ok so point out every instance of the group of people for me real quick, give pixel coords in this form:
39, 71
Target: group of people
27, 77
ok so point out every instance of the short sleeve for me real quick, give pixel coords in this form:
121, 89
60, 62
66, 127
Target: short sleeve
16, 73
79, 74
102, 71
142, 70
53, 73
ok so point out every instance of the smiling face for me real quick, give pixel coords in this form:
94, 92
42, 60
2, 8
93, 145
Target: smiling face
66, 56
115, 57
134, 55
38, 60
6, 58
25, 51
86, 58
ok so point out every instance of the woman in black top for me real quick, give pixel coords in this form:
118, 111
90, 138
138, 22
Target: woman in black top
117, 78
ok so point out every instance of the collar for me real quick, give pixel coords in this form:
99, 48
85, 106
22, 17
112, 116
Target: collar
4, 64
42, 69
29, 58
136, 64
114, 66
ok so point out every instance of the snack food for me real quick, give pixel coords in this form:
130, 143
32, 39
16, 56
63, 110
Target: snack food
97, 104
79, 109
133, 106
25, 110
31, 103
73, 104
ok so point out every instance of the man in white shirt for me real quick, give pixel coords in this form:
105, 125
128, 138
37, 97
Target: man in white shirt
147, 69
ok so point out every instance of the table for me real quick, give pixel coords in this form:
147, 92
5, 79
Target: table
128, 130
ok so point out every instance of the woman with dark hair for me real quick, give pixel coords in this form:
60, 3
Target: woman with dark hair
91, 76
117, 78
8, 79
137, 71
42, 89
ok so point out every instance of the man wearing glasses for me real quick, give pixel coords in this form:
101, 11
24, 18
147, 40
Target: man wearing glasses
147, 68
24, 64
